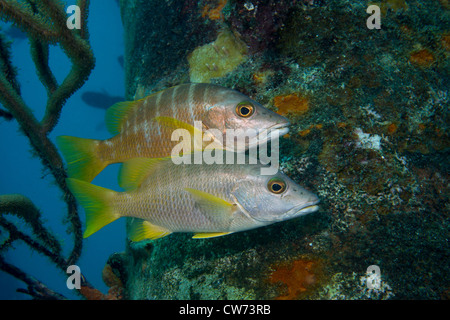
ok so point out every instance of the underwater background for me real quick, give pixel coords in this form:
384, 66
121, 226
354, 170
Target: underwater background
24, 173
368, 135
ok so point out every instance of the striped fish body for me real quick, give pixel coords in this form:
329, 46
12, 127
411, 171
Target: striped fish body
140, 132
208, 200
139, 135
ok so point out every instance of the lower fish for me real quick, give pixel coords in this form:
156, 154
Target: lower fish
207, 200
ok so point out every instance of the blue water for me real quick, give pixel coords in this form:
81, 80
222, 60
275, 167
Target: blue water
21, 173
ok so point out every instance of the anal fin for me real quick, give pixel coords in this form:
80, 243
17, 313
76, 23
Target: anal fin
142, 229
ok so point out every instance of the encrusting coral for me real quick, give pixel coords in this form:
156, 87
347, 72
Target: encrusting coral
297, 277
291, 103
214, 13
216, 59
45, 23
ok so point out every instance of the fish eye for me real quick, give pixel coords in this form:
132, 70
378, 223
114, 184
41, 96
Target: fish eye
276, 186
245, 109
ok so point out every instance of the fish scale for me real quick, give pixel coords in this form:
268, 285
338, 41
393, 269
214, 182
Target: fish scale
172, 203
167, 187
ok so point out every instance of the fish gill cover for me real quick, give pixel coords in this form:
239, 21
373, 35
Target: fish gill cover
368, 134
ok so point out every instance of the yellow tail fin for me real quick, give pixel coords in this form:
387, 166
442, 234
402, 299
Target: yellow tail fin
81, 157
96, 201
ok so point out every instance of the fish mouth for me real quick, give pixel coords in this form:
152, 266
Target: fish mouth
303, 209
273, 132
282, 128
309, 209
262, 137
297, 211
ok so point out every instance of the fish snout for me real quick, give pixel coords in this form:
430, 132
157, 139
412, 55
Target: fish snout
282, 128
311, 204
308, 204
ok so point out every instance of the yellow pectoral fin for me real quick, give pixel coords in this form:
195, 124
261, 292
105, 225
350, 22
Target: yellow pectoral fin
196, 134
205, 235
214, 208
177, 124
142, 229
209, 199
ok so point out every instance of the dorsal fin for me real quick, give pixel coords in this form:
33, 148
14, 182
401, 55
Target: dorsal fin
140, 229
134, 171
118, 113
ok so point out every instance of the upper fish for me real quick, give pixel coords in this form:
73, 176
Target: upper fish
207, 200
143, 128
